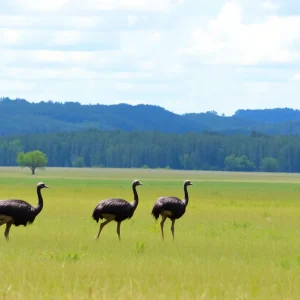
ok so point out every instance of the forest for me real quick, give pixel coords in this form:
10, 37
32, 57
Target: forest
190, 151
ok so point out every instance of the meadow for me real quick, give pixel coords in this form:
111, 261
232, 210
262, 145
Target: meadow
239, 238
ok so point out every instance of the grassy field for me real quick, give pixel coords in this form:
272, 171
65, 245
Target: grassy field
239, 238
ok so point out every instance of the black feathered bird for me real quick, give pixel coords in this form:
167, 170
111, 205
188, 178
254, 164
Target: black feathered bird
171, 207
19, 212
115, 209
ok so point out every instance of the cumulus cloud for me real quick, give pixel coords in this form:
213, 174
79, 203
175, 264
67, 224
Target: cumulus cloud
228, 40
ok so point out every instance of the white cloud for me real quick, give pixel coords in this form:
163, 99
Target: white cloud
270, 5
127, 4
132, 20
77, 6
228, 40
16, 85
296, 77
39, 5
10, 36
66, 38
102, 61
73, 73
55, 22
60, 56
155, 37
57, 39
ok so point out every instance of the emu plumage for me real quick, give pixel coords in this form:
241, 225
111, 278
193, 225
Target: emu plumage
171, 207
19, 212
116, 209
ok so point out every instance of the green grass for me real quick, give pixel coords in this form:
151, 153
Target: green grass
239, 238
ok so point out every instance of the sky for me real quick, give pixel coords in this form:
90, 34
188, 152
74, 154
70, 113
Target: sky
184, 55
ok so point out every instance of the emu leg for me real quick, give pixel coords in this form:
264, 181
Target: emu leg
7, 229
162, 225
118, 230
172, 228
101, 227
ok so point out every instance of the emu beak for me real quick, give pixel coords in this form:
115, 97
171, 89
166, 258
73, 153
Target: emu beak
46, 186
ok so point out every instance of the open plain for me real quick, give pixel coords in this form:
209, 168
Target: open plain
239, 238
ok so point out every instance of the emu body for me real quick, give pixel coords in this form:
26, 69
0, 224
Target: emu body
116, 209
171, 207
19, 212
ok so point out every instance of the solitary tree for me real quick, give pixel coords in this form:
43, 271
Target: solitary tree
32, 160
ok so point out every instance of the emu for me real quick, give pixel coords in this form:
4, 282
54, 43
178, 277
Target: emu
115, 209
171, 207
19, 212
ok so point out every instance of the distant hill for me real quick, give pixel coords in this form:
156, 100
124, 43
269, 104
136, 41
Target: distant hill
275, 115
22, 117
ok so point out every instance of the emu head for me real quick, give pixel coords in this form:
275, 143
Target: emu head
136, 183
187, 182
42, 185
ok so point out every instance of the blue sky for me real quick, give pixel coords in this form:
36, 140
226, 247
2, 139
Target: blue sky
184, 55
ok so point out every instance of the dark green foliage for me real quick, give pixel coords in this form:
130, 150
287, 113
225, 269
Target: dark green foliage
195, 151
238, 163
78, 162
33, 160
269, 164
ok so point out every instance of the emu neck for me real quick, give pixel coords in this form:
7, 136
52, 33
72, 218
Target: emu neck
186, 196
39, 207
136, 197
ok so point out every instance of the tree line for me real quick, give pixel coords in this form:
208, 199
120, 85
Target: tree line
190, 151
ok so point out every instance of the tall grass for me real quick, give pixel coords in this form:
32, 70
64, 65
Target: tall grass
239, 239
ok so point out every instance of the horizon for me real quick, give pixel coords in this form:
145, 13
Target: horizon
183, 55
157, 105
